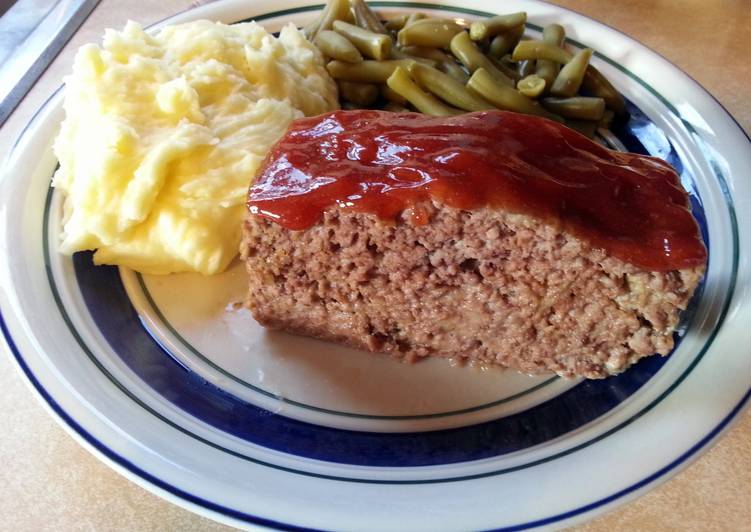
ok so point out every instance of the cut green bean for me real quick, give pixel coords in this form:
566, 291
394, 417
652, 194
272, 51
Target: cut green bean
435, 54
439, 68
364, 94
553, 34
414, 17
448, 89
570, 77
391, 95
540, 50
454, 70
400, 54
365, 18
597, 85
505, 42
504, 97
367, 71
585, 127
310, 30
507, 69
373, 45
337, 46
429, 32
578, 107
526, 68
424, 102
396, 23
532, 86
471, 57
484, 29
333, 10
443, 61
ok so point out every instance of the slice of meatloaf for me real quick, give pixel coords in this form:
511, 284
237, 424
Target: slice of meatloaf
494, 237
482, 285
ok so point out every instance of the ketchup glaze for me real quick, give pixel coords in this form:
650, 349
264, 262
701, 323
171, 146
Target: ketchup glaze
383, 163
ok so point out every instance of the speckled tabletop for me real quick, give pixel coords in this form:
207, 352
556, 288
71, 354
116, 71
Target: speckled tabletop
49, 482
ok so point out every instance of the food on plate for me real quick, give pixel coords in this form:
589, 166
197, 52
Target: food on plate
491, 236
370, 44
163, 134
487, 64
401, 83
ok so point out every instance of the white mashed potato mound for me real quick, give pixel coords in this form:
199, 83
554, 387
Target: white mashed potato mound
163, 135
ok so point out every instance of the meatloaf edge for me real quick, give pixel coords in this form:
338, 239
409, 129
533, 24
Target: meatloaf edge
485, 285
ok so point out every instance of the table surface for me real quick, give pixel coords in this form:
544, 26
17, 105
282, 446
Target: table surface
49, 482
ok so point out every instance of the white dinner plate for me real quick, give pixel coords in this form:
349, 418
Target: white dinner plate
173, 384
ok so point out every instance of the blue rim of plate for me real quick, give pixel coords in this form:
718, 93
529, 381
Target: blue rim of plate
681, 460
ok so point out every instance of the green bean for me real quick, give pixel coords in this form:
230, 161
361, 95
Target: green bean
505, 42
401, 54
483, 29
570, 77
373, 45
585, 127
471, 57
504, 97
310, 30
424, 102
365, 18
594, 82
395, 108
448, 89
597, 85
364, 94
507, 70
337, 46
532, 86
396, 23
414, 17
444, 62
553, 34
578, 107
333, 10
526, 68
429, 32
392, 96
366, 71
540, 50
435, 54
368, 62
454, 70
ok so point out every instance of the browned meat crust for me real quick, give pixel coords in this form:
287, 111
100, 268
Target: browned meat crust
487, 286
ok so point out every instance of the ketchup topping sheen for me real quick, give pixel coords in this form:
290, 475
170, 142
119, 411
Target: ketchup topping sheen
383, 163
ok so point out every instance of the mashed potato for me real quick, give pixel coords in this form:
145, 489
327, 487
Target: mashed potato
163, 134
